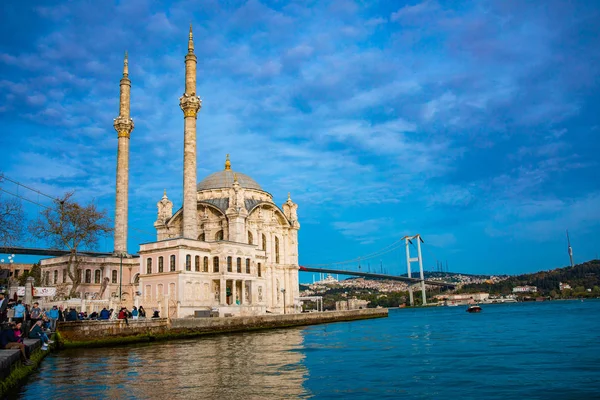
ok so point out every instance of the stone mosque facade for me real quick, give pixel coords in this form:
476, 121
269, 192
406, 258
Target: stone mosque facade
229, 247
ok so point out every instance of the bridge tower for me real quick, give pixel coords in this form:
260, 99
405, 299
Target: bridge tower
419, 259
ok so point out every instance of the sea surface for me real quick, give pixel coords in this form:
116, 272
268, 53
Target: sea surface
548, 350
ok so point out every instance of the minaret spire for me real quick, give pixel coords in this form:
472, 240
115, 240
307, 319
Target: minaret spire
190, 104
191, 41
123, 124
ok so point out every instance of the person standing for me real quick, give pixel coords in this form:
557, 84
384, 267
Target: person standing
3, 308
52, 315
35, 313
19, 312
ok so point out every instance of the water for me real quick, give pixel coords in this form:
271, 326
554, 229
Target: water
545, 350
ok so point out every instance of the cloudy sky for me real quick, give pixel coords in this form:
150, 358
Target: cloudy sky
473, 123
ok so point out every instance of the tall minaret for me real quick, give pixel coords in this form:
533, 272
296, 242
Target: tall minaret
123, 125
190, 104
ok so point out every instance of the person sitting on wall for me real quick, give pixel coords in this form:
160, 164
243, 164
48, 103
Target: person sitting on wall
135, 313
104, 314
93, 315
155, 315
142, 312
36, 332
72, 315
10, 340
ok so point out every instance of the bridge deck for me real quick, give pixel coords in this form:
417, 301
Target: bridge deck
378, 276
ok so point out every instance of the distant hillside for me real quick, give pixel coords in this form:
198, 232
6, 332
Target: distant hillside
581, 277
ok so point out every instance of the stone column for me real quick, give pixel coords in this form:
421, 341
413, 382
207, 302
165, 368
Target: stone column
233, 291
29, 290
190, 105
243, 292
123, 124
223, 291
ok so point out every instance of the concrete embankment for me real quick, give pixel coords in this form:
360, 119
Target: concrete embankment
12, 371
115, 332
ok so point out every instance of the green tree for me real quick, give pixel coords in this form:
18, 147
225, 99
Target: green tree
71, 226
35, 272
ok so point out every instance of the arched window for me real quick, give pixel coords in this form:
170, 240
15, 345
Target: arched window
172, 263
247, 265
161, 264
205, 264
55, 276
114, 276
149, 266
97, 276
188, 262
239, 265
276, 250
219, 235
202, 237
197, 263
79, 275
264, 241
250, 238
47, 279
258, 269
136, 279
229, 266
88, 276
215, 264
65, 275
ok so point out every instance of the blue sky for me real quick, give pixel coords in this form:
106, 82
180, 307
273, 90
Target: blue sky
473, 123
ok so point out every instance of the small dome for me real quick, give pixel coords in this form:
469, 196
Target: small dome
224, 179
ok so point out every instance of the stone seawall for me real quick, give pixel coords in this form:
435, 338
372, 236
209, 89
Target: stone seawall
101, 333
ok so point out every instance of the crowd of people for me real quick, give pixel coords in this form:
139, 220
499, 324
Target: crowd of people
31, 321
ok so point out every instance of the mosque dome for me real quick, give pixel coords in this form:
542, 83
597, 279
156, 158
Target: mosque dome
225, 178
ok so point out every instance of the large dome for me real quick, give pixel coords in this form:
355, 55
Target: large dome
224, 179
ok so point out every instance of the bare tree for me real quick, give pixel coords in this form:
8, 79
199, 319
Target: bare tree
73, 227
12, 220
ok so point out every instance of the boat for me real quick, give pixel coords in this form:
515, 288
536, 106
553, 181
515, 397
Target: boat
474, 309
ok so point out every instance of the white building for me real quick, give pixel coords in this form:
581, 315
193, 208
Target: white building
524, 289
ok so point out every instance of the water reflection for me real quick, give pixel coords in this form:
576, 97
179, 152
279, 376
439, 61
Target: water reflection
252, 365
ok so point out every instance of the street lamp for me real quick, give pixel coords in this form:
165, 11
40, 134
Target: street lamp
283, 291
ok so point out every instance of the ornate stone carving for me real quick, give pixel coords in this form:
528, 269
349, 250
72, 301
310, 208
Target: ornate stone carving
123, 126
190, 104
165, 209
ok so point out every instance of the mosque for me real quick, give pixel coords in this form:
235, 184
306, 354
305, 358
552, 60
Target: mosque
229, 247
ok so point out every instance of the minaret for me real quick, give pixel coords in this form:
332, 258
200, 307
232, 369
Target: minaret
190, 104
123, 125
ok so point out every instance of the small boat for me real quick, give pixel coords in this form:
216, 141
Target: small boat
474, 309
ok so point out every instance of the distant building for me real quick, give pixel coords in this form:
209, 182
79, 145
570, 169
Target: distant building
351, 304
16, 269
461, 299
524, 289
563, 286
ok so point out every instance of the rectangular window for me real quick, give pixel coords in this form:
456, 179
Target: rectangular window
161, 264
149, 266
258, 268
247, 265
65, 275
215, 264
114, 276
172, 264
239, 265
229, 265
188, 262
197, 263
205, 269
